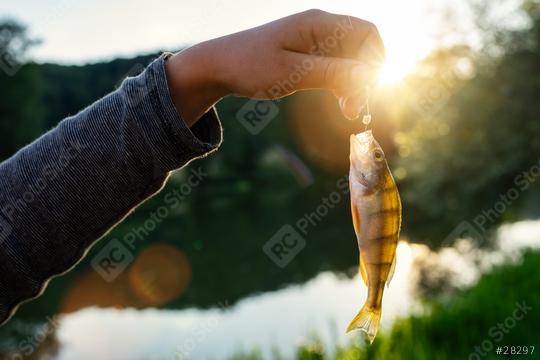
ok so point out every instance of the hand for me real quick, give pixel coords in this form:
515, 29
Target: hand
312, 49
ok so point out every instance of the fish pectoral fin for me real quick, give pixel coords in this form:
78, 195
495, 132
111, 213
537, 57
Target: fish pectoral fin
391, 272
355, 218
363, 271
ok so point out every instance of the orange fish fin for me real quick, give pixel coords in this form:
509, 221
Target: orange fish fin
363, 271
391, 271
355, 218
367, 320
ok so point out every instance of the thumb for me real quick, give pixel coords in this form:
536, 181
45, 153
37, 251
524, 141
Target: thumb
346, 75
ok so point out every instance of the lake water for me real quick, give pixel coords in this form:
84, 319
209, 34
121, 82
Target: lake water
281, 319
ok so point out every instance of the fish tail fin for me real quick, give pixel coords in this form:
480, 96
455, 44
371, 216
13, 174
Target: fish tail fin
367, 320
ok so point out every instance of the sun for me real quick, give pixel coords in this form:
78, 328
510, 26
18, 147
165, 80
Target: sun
402, 56
391, 73
396, 68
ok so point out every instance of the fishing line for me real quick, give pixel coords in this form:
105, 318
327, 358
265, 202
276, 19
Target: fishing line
366, 120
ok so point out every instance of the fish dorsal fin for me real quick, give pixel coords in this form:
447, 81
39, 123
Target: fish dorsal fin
391, 271
363, 271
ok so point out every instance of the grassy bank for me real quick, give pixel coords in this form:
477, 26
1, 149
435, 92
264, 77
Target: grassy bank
502, 309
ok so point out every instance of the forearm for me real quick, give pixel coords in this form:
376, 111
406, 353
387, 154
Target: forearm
196, 79
67, 189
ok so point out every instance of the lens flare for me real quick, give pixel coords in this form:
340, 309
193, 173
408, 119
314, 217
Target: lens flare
395, 70
160, 274
402, 55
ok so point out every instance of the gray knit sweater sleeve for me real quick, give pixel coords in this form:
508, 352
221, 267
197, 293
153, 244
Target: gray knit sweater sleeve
68, 188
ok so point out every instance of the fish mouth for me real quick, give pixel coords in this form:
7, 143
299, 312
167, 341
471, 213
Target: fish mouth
362, 161
360, 143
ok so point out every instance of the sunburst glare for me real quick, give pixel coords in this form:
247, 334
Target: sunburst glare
401, 56
396, 68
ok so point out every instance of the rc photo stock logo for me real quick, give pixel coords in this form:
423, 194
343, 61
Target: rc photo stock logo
477, 228
112, 260
8, 63
118, 254
289, 240
255, 114
430, 97
464, 230
284, 245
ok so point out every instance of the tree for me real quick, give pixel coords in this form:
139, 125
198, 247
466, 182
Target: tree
19, 104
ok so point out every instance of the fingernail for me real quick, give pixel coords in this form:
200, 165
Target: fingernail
352, 117
342, 100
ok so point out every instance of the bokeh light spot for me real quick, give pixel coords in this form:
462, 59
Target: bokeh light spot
159, 274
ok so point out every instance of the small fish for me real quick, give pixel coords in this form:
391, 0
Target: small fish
376, 213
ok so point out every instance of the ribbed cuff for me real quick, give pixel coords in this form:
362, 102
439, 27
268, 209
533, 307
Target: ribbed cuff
185, 143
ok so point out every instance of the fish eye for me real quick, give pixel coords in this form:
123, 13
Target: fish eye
378, 155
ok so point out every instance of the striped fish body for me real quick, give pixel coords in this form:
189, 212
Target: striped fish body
376, 213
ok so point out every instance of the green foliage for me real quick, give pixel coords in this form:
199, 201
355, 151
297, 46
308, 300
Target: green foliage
454, 329
19, 102
465, 156
486, 313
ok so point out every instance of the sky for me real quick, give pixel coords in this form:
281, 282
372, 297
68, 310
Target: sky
75, 31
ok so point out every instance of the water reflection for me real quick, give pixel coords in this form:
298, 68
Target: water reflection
442, 273
280, 319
